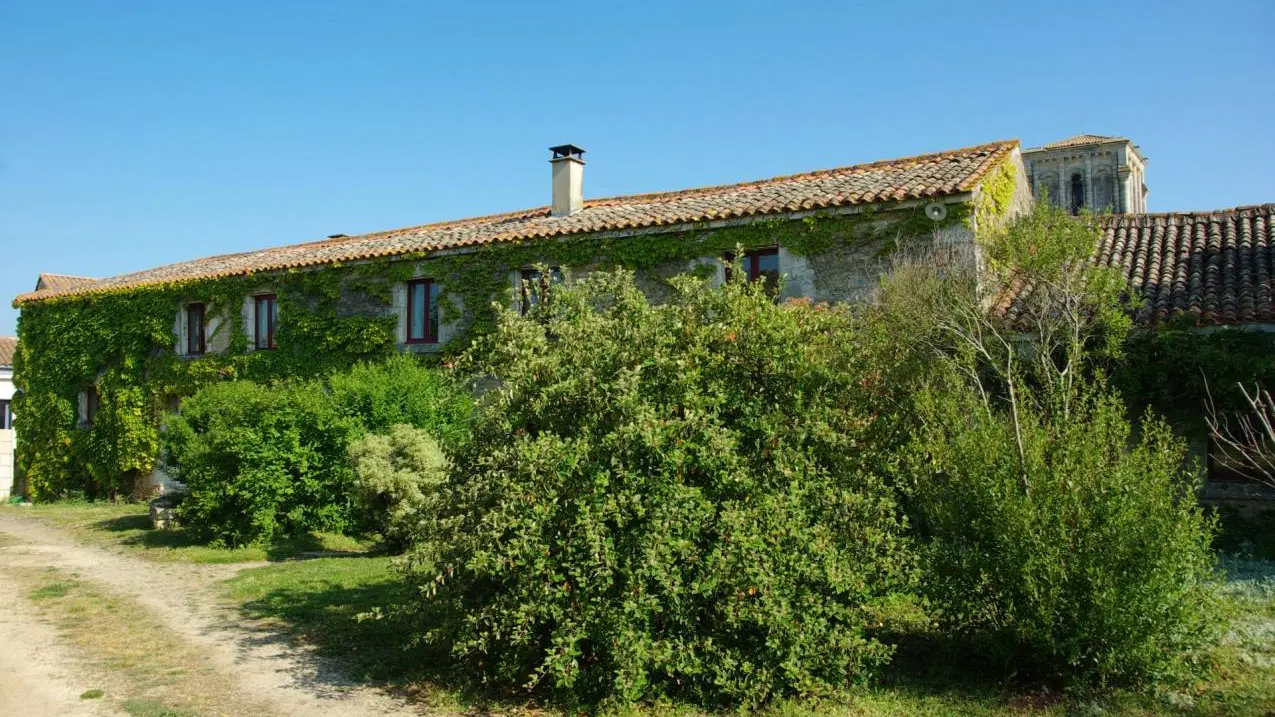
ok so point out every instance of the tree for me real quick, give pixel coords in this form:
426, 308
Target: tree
1054, 536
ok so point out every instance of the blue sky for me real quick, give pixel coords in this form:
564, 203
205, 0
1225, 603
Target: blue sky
134, 134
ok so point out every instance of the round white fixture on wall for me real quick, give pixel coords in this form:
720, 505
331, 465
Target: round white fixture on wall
936, 212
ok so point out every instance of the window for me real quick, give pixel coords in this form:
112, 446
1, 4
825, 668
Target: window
1077, 193
422, 311
534, 285
6, 416
266, 317
195, 343
92, 402
759, 264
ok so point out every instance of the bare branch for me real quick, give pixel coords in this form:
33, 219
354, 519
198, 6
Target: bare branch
1246, 440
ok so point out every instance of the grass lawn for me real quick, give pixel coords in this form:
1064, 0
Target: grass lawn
329, 602
128, 526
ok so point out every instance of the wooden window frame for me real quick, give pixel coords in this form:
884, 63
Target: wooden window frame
754, 266
193, 347
751, 265
431, 334
269, 344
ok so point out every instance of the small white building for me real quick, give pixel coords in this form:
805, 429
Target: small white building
8, 441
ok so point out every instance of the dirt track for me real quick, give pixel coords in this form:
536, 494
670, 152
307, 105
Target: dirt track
255, 665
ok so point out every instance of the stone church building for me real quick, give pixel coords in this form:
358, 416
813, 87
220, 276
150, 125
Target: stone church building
1089, 171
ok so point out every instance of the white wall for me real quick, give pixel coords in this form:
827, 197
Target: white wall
7, 438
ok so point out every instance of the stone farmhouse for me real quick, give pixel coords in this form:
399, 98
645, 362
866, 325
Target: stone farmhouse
946, 184
424, 288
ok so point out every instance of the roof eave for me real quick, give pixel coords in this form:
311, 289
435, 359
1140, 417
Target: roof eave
837, 210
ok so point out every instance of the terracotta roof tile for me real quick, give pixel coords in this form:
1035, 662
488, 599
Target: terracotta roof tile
8, 347
1080, 140
920, 177
1212, 268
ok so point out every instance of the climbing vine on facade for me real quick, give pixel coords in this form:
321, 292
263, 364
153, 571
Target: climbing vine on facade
121, 344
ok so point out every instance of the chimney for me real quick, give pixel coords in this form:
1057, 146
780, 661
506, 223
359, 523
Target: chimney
568, 179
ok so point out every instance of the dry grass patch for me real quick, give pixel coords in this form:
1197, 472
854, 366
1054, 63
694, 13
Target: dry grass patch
148, 670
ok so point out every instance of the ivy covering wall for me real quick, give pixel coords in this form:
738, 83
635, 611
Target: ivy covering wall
124, 344
1175, 370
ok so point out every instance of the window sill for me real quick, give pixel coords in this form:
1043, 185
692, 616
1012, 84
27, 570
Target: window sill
420, 347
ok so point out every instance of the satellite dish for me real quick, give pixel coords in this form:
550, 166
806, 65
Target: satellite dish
935, 211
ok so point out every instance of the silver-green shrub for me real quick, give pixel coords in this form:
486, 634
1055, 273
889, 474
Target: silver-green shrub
1085, 558
397, 478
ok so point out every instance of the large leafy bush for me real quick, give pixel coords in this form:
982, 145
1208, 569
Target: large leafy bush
261, 461
402, 391
664, 500
264, 461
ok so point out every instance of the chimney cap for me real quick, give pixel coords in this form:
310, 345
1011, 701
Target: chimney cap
564, 151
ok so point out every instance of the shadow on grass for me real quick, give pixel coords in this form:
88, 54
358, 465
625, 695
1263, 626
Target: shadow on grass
330, 605
143, 535
947, 668
136, 530
124, 523
321, 603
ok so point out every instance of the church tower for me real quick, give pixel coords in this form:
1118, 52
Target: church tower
1089, 171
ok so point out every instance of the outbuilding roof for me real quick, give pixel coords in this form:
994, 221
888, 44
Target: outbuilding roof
938, 175
1216, 267
1209, 268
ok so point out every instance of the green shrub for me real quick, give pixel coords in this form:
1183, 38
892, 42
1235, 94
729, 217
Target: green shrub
266, 461
402, 391
397, 481
261, 462
1087, 559
664, 500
